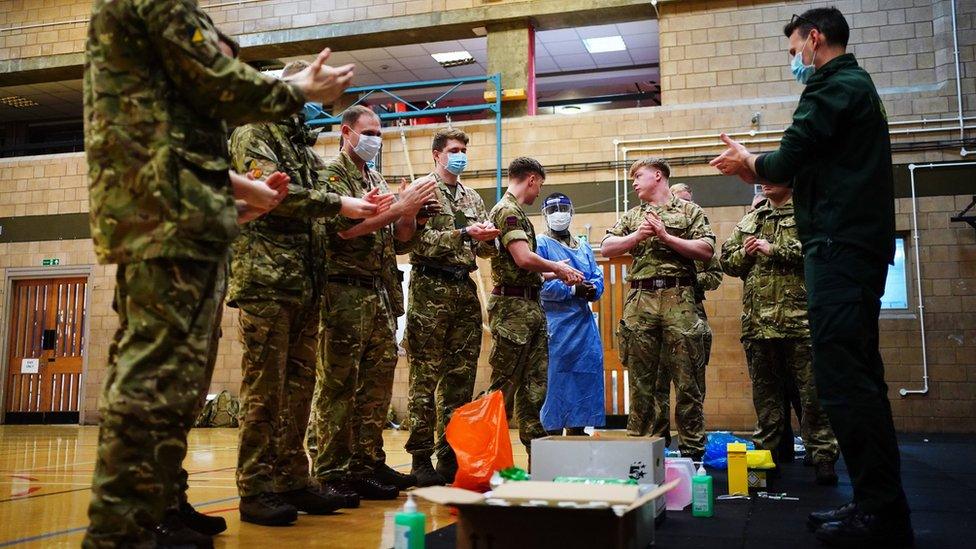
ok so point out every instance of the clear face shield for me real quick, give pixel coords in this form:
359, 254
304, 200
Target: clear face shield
558, 214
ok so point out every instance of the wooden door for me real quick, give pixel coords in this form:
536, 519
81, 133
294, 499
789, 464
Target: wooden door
47, 325
609, 309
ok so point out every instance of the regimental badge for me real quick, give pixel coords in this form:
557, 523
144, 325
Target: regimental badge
511, 221
197, 36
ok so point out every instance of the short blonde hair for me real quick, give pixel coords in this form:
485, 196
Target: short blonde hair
656, 163
680, 188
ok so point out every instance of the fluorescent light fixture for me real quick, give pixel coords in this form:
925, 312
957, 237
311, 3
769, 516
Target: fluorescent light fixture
18, 102
605, 44
453, 58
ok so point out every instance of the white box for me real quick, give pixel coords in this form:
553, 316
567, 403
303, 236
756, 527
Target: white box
603, 455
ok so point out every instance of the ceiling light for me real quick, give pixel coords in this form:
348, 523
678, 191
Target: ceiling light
453, 58
605, 44
18, 102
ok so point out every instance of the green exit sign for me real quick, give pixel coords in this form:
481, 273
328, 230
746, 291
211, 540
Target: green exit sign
50, 262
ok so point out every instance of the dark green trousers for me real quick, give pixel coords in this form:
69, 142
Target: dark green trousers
844, 286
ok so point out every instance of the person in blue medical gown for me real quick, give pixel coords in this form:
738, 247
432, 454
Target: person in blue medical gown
575, 398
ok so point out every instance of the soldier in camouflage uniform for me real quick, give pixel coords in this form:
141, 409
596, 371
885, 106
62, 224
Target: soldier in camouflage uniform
765, 252
275, 283
443, 332
708, 277
660, 327
157, 93
358, 350
520, 344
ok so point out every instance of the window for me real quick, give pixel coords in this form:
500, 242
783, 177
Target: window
896, 286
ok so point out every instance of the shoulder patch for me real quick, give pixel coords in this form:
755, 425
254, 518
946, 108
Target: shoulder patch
197, 36
511, 221
254, 170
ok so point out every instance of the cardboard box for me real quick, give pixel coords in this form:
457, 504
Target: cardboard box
604, 455
551, 514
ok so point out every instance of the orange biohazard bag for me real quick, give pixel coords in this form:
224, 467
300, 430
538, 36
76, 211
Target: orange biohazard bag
478, 433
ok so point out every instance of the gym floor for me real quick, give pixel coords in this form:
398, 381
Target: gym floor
45, 474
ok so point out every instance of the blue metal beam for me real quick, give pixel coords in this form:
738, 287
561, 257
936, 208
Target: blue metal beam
322, 118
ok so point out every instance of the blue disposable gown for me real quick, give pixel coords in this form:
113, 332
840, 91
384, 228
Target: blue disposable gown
575, 395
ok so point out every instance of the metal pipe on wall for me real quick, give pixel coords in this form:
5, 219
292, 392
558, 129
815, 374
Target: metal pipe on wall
918, 274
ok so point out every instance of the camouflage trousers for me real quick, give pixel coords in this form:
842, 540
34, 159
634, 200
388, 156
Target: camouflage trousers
159, 366
443, 340
702, 351
354, 382
519, 360
771, 361
657, 334
280, 342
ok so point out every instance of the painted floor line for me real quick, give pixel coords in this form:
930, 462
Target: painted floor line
58, 533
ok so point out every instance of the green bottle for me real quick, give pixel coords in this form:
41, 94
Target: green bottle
409, 526
702, 496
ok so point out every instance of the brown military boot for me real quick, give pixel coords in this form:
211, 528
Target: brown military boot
423, 469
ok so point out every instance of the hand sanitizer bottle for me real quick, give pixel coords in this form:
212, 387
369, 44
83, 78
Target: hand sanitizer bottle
702, 496
409, 526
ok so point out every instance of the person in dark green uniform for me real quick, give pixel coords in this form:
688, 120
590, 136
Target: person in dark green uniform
838, 150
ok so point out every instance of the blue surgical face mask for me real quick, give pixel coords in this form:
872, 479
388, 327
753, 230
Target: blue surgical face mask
456, 162
801, 72
312, 110
368, 146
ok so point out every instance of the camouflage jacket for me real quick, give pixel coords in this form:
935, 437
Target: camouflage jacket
708, 277
439, 242
510, 219
157, 94
651, 257
274, 257
369, 255
774, 298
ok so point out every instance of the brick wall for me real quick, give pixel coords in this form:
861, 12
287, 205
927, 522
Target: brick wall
948, 254
248, 16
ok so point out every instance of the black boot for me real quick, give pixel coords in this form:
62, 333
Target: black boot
387, 475
860, 529
447, 467
313, 501
826, 476
205, 524
817, 519
423, 469
267, 509
344, 490
173, 533
369, 487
